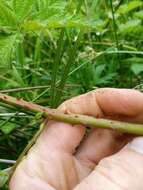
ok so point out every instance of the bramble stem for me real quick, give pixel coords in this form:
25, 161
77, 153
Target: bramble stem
53, 114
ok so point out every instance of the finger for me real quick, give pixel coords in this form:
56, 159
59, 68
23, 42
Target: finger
99, 144
120, 102
85, 104
123, 170
113, 103
60, 137
107, 102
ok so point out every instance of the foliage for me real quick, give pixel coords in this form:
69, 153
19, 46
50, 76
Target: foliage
64, 48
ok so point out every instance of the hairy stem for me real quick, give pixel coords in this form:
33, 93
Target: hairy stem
53, 114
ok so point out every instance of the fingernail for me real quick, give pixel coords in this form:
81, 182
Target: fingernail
137, 145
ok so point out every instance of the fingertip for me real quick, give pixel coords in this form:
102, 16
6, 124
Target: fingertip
61, 136
125, 102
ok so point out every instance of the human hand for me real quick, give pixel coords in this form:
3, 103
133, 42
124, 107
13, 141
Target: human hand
62, 160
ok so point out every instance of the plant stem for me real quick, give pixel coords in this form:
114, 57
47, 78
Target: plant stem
53, 114
72, 52
56, 66
7, 161
115, 33
114, 25
13, 115
24, 89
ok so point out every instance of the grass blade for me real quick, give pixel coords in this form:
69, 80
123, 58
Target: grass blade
71, 59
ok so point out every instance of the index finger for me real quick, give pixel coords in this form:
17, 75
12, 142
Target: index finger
106, 102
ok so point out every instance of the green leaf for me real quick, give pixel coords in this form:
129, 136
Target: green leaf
17, 76
8, 128
7, 17
7, 46
100, 77
137, 68
134, 60
22, 9
139, 14
4, 175
131, 27
38, 116
54, 14
36, 26
124, 9
33, 26
98, 71
53, 9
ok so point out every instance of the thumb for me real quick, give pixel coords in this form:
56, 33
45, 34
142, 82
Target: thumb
123, 170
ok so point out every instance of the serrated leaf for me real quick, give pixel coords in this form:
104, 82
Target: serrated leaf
129, 7
35, 26
7, 46
22, 9
7, 17
137, 68
54, 14
51, 10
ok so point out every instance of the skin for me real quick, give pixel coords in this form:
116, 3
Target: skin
64, 159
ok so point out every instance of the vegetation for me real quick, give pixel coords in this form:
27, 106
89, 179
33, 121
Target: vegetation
52, 50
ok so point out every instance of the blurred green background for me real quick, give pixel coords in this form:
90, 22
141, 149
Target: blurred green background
52, 50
